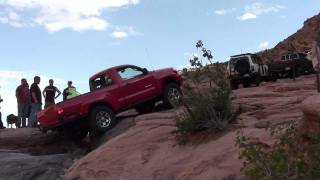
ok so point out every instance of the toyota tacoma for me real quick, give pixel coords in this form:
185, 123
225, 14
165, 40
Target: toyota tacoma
112, 91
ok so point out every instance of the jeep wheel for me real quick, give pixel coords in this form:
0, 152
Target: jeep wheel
246, 82
172, 95
258, 79
234, 85
145, 107
101, 119
274, 77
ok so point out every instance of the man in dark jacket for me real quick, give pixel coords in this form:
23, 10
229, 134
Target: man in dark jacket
36, 102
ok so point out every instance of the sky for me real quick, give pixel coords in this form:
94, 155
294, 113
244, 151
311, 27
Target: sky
73, 39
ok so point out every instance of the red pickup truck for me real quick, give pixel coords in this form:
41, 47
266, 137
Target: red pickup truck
112, 91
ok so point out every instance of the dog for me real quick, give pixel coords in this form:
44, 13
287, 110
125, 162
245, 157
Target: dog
12, 119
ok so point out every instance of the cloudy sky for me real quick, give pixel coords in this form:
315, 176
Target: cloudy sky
73, 39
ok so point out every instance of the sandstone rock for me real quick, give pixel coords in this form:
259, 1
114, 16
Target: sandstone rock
311, 110
148, 150
22, 166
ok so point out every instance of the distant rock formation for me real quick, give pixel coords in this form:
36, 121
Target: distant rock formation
301, 41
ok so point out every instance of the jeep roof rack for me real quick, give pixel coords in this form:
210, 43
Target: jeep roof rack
246, 54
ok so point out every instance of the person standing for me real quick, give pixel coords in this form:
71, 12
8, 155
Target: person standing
23, 99
36, 102
1, 124
66, 91
49, 93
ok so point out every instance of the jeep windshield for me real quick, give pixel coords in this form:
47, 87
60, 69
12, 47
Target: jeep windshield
234, 60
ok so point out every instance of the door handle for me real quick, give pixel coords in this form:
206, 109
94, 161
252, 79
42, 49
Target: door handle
147, 86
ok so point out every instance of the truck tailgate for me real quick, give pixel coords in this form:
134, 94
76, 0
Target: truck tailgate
48, 117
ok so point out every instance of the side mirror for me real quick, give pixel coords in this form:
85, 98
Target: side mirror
145, 71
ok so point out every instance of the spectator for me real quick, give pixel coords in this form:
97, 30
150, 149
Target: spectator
1, 124
49, 93
36, 102
66, 91
23, 99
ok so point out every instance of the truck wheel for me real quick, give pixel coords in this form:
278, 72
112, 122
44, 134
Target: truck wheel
145, 107
101, 119
77, 132
234, 85
172, 95
258, 80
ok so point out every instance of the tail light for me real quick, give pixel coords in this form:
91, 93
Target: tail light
60, 111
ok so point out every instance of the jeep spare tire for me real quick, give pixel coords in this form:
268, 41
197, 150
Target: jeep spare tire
101, 119
242, 66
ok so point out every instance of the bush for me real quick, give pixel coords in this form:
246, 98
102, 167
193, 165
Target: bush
293, 156
208, 104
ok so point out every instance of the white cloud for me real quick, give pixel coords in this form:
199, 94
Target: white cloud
124, 32
247, 16
119, 34
224, 11
264, 45
12, 18
220, 12
256, 9
55, 15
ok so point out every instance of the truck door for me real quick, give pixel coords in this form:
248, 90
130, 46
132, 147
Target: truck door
138, 84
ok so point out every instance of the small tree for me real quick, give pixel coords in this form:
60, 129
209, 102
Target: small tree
207, 108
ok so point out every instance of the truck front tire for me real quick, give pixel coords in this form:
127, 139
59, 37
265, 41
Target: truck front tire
101, 119
172, 95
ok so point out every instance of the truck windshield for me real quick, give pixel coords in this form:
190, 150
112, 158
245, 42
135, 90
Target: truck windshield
235, 59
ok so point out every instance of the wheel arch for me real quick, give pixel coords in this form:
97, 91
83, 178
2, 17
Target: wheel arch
169, 80
99, 103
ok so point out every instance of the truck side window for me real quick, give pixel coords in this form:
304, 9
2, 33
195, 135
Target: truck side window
129, 73
101, 82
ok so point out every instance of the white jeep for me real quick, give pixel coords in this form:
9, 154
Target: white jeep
246, 69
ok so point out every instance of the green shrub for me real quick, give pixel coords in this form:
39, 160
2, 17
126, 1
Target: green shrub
208, 103
293, 156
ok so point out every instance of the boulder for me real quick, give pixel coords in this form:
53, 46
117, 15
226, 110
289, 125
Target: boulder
16, 165
311, 114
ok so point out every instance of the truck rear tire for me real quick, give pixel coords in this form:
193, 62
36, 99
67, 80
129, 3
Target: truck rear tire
172, 95
101, 119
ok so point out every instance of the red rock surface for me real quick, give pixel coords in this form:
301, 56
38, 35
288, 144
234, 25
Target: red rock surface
302, 40
148, 150
311, 110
